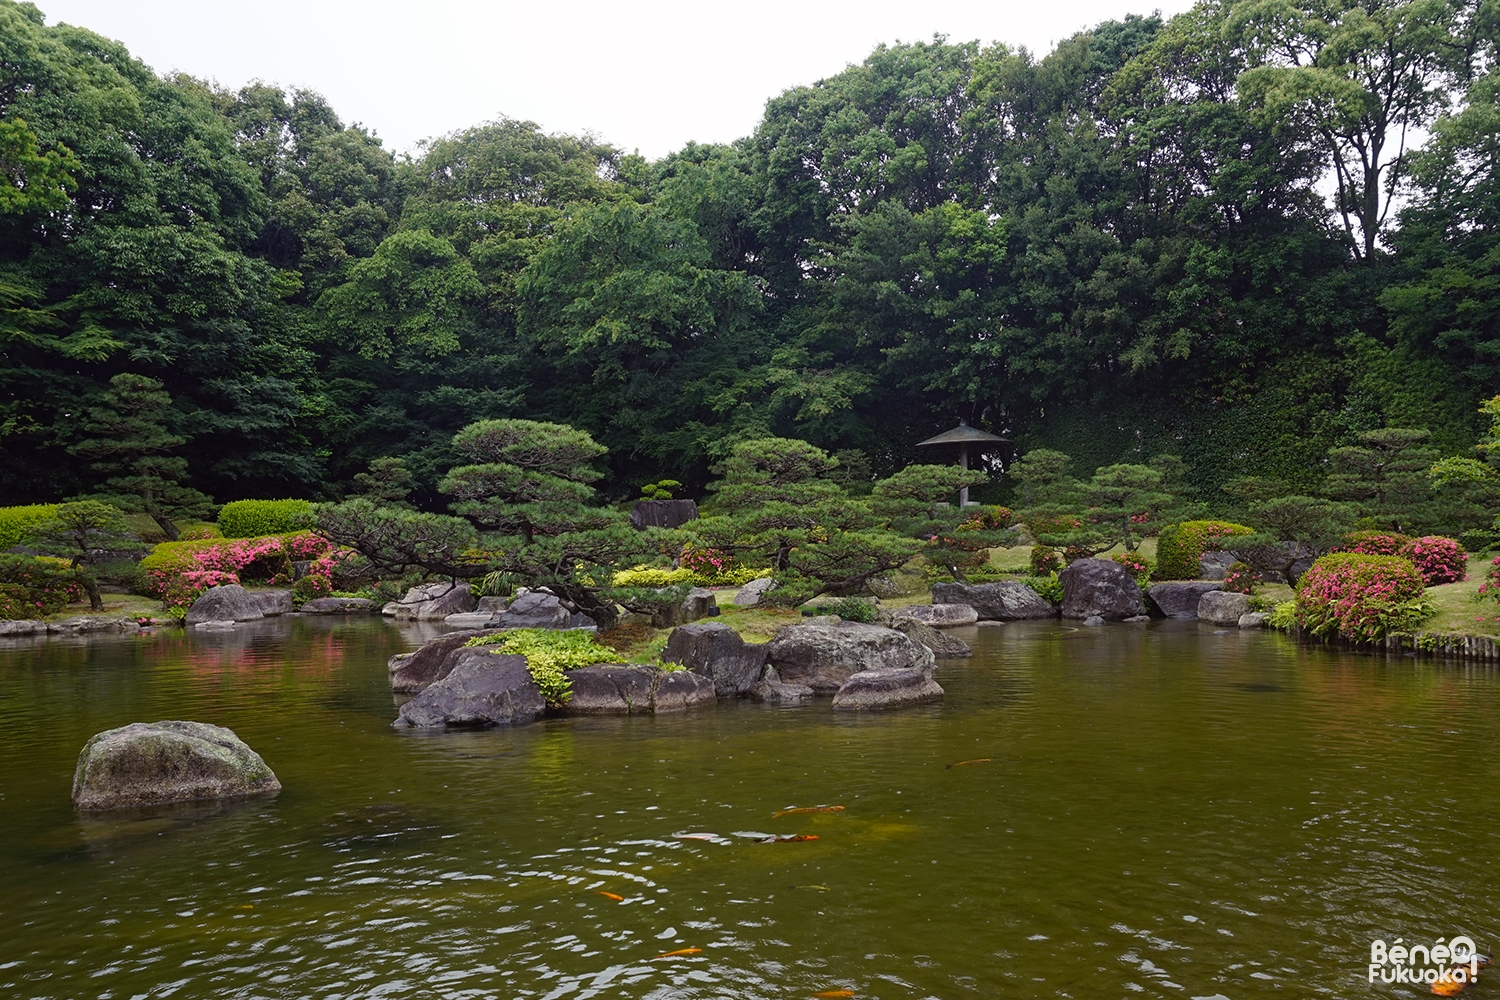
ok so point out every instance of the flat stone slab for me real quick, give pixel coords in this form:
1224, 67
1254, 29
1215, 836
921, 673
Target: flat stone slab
340, 606
882, 689
146, 764
468, 619
940, 615
20, 627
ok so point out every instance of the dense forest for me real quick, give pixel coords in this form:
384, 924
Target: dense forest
1243, 235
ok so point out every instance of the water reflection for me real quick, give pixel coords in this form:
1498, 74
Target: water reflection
1164, 810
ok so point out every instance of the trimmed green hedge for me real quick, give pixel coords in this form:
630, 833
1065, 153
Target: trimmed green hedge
17, 522
1180, 546
253, 518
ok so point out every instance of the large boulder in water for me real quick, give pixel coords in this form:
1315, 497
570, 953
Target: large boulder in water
1099, 588
428, 663
940, 615
634, 690
482, 689
273, 602
823, 657
151, 763
435, 601
1003, 601
226, 603
1179, 599
876, 689
716, 651
942, 646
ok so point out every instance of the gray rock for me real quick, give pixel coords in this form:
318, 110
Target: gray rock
1006, 600
534, 609
428, 663
1221, 607
482, 689
1137, 618
716, 651
662, 513
1213, 565
942, 646
435, 601
340, 606
680, 689
985, 624
1179, 600
389, 608
772, 688
22, 626
611, 690
494, 605
699, 603
823, 657
468, 619
1099, 587
939, 615
90, 624
878, 689
228, 602
223, 626
145, 764
273, 602
1253, 619
1093, 620
751, 593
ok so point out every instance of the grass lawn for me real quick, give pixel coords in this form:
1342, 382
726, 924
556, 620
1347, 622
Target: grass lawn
1457, 608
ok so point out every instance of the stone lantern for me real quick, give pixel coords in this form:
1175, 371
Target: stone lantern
965, 437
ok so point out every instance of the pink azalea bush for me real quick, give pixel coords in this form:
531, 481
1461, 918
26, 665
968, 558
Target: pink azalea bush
1360, 597
1375, 543
1438, 559
1240, 578
1136, 564
1491, 585
178, 572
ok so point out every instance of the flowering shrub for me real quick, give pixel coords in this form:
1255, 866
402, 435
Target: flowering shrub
1438, 559
32, 587
1240, 578
1360, 597
988, 519
177, 572
1375, 543
1138, 565
1180, 546
1045, 560
1054, 524
716, 568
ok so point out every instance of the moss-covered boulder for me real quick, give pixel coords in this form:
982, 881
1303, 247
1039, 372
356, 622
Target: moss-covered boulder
152, 763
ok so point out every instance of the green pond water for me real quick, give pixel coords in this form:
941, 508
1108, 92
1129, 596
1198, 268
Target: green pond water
1167, 810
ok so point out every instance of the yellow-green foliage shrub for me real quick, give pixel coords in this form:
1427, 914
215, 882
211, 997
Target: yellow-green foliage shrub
16, 522
1180, 546
647, 576
253, 518
550, 653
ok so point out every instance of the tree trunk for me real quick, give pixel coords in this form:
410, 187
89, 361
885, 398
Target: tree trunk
168, 526
96, 601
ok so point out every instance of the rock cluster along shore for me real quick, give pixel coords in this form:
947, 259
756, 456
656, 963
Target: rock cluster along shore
862, 667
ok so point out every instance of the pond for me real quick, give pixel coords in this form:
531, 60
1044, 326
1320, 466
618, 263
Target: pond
1157, 810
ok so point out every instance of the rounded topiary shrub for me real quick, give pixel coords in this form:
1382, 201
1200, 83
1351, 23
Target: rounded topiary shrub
1180, 546
17, 522
1360, 597
253, 518
1438, 559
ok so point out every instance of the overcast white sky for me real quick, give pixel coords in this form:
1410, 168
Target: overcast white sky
648, 75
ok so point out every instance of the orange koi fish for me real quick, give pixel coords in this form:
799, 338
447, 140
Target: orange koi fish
1449, 985
808, 809
795, 838
679, 952
835, 993
966, 763
610, 895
